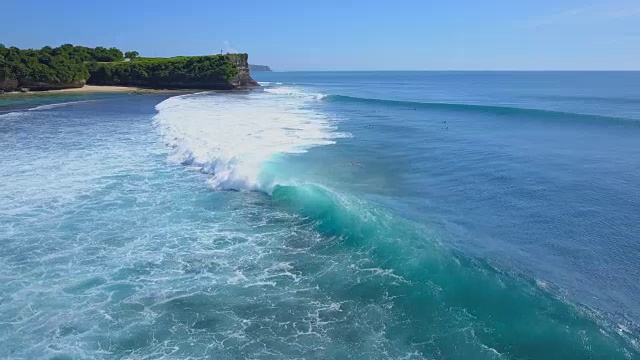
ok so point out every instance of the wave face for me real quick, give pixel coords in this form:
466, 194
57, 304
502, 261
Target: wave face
232, 137
440, 302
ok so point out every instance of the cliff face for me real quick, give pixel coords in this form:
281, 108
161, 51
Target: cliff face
41, 86
9, 84
243, 79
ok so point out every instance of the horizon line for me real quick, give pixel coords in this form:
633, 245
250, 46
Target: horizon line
455, 70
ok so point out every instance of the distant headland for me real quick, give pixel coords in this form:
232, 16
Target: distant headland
259, 68
70, 66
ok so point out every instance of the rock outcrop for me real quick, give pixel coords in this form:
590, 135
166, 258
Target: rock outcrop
243, 79
259, 68
9, 84
41, 86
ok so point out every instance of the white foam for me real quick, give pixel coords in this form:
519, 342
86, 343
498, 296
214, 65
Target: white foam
268, 83
19, 113
232, 135
12, 115
53, 106
293, 92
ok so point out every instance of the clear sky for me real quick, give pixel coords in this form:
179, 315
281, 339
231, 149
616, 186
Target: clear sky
346, 35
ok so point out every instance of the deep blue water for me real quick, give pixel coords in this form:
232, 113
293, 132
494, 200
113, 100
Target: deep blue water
446, 215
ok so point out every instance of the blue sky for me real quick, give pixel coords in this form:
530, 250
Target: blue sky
347, 35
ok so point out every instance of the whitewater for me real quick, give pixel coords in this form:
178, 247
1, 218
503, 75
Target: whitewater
233, 137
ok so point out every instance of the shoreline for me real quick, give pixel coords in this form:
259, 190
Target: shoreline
99, 89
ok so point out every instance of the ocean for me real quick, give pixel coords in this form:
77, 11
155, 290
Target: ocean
338, 215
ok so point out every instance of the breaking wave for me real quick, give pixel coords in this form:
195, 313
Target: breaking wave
233, 136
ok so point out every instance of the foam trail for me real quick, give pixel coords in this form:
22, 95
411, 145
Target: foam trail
268, 83
57, 105
232, 136
293, 92
19, 112
11, 115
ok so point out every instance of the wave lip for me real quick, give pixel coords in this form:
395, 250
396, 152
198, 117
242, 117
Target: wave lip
232, 136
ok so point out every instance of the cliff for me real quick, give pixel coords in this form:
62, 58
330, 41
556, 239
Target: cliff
42, 86
215, 72
71, 66
243, 78
8, 84
259, 68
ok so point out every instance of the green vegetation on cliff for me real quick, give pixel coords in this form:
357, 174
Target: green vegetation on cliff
54, 66
50, 68
73, 66
131, 55
215, 71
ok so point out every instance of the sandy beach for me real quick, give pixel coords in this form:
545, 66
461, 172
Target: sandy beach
96, 89
93, 89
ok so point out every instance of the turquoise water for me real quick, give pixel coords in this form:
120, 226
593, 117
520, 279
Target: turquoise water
406, 215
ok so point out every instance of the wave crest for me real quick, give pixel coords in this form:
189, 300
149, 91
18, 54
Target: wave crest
478, 108
232, 136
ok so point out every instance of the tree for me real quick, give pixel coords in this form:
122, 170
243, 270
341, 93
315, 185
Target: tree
67, 65
197, 71
131, 55
56, 67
